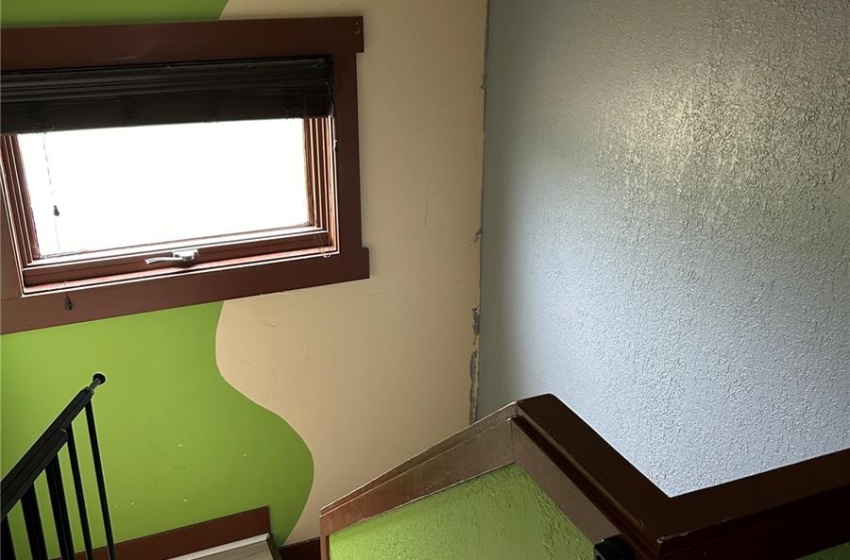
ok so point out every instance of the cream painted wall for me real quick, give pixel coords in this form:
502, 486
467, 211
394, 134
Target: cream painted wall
372, 372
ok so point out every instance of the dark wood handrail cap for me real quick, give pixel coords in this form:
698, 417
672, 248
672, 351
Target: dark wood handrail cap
782, 513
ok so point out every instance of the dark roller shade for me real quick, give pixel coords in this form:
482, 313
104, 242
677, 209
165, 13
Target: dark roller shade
39, 101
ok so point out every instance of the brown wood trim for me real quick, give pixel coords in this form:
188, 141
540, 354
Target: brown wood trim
552, 477
212, 254
305, 550
346, 204
784, 510
651, 519
184, 288
504, 414
310, 176
80, 47
325, 546
10, 273
191, 538
613, 485
99, 267
17, 201
487, 451
40, 294
783, 513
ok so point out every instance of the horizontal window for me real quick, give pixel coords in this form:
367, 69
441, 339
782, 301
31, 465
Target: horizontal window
116, 189
129, 188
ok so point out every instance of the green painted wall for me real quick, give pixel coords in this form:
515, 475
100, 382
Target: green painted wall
841, 552
62, 12
179, 444
500, 515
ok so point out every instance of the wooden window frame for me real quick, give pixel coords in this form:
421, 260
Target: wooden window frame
57, 291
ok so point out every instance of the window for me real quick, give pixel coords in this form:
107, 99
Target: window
154, 166
175, 184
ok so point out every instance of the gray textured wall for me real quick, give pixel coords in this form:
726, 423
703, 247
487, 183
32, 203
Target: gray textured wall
667, 226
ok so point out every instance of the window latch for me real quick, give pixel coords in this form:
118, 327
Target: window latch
181, 257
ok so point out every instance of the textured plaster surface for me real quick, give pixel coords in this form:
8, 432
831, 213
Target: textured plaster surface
841, 552
500, 515
667, 226
370, 373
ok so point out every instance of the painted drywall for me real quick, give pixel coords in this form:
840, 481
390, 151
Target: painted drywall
370, 373
502, 514
179, 444
666, 231
27, 13
841, 552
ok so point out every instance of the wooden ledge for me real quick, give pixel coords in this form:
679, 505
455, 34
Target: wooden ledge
158, 43
783, 513
191, 538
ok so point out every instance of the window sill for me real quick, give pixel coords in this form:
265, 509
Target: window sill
189, 287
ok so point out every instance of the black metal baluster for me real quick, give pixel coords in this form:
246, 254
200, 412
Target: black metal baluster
7, 549
101, 485
78, 489
60, 509
32, 519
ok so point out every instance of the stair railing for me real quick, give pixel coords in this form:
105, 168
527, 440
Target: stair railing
782, 514
43, 457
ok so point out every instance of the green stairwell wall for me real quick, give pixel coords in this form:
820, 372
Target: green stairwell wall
502, 515
20, 13
179, 444
841, 552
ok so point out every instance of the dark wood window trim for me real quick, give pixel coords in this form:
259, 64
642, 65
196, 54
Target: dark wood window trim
49, 293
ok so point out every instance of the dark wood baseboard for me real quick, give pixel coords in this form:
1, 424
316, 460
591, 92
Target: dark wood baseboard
191, 538
304, 550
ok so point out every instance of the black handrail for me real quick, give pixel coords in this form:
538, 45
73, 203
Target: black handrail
43, 457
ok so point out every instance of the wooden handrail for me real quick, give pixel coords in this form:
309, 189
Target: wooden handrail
783, 513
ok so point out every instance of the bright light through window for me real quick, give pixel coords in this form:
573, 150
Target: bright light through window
123, 187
